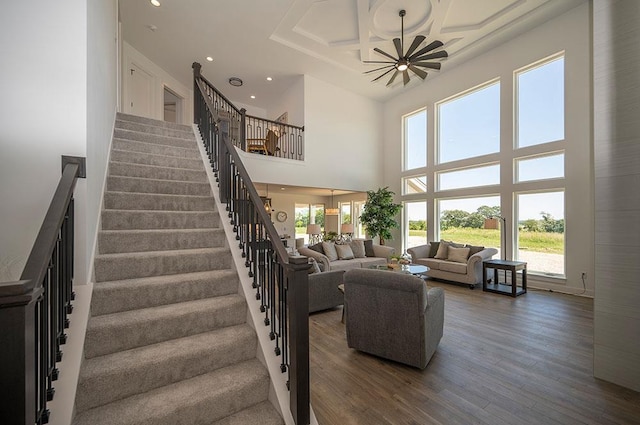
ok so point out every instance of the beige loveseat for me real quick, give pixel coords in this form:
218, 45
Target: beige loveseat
371, 254
452, 265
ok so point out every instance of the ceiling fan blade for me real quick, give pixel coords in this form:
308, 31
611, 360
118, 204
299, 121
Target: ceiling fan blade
377, 69
379, 61
416, 42
436, 55
382, 75
398, 44
429, 47
420, 73
384, 53
405, 77
432, 65
393, 77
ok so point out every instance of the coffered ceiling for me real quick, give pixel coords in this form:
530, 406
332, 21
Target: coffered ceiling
326, 39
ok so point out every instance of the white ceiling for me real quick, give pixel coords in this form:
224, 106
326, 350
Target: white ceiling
327, 39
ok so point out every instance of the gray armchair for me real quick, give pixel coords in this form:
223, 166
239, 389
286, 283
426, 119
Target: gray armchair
323, 290
392, 315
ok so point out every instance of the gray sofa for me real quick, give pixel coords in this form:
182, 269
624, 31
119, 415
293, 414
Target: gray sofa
380, 255
469, 272
393, 315
323, 290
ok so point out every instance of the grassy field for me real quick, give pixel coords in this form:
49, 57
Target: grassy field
552, 243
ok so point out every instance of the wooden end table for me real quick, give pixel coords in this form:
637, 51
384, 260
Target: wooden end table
503, 288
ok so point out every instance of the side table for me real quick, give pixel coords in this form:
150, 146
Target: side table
503, 288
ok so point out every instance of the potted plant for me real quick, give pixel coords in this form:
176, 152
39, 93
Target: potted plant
379, 213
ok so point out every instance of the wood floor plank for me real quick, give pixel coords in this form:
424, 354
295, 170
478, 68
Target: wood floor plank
501, 361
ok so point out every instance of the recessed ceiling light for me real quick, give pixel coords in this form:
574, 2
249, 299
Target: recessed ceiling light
156, 3
235, 81
209, 58
152, 27
269, 79
253, 97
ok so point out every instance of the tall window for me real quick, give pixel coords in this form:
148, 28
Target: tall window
415, 140
415, 223
469, 125
541, 167
306, 214
469, 177
541, 231
462, 220
540, 94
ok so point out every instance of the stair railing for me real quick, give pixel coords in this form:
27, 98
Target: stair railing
34, 310
243, 126
281, 281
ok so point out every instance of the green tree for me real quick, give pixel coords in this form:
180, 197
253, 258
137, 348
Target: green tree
379, 213
453, 218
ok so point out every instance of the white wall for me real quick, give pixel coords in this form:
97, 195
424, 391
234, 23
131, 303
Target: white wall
291, 102
616, 43
102, 90
343, 139
43, 116
160, 79
569, 32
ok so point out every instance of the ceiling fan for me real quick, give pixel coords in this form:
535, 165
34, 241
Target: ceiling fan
409, 61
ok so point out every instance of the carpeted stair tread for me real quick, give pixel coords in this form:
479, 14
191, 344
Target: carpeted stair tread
142, 185
116, 376
130, 294
197, 401
156, 172
158, 160
182, 133
138, 136
166, 150
115, 219
152, 201
115, 332
131, 265
262, 413
117, 241
150, 121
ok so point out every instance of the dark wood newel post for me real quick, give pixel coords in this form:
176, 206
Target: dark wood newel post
196, 74
243, 128
298, 297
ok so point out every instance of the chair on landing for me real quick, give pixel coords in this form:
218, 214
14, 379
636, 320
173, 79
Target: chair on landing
393, 315
266, 146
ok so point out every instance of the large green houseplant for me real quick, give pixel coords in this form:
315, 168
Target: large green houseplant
379, 214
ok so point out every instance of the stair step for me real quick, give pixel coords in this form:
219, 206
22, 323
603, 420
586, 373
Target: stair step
118, 241
140, 219
156, 172
185, 132
150, 121
167, 187
197, 401
131, 265
130, 294
262, 413
159, 160
148, 201
153, 138
116, 376
133, 146
111, 333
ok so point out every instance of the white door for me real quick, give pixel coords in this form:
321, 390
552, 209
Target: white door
140, 92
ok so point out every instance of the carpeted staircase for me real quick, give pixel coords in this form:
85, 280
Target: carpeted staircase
167, 341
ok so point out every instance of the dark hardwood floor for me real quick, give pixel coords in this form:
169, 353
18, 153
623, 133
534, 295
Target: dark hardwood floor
502, 360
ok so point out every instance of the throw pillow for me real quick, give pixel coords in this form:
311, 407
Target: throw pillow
442, 251
433, 249
458, 255
474, 249
344, 252
368, 248
453, 244
358, 249
315, 268
317, 247
329, 249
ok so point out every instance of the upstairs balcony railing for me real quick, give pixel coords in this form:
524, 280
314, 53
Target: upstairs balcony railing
280, 280
244, 128
34, 310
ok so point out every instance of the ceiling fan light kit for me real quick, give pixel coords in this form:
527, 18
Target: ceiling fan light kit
411, 60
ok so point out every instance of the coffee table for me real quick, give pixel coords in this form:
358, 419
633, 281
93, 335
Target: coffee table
414, 269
